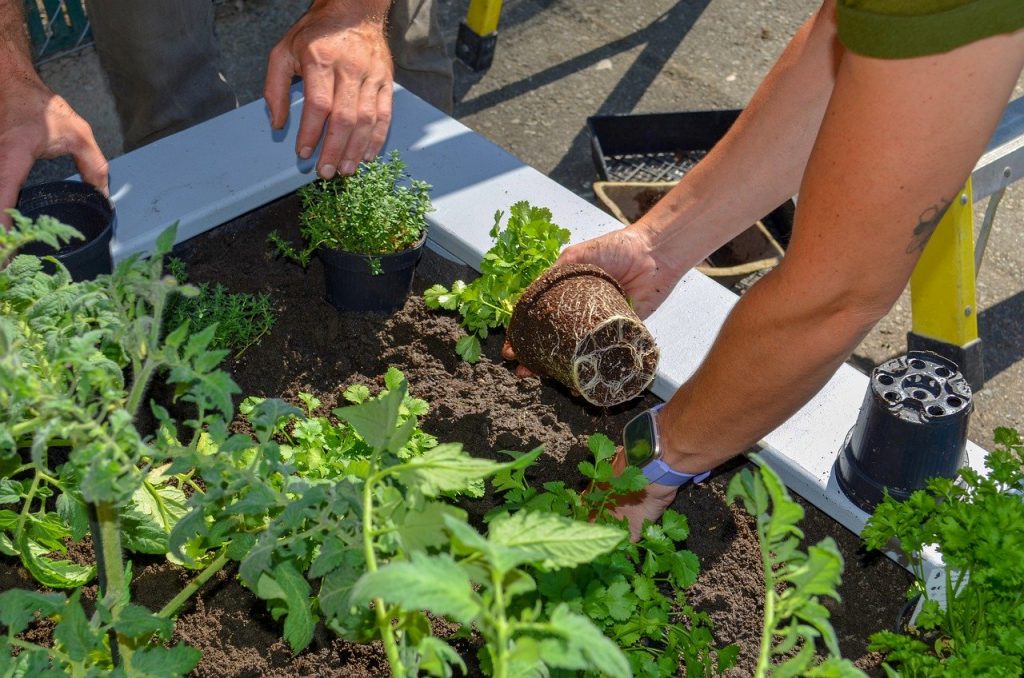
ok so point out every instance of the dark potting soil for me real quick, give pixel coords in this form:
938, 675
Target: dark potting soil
314, 349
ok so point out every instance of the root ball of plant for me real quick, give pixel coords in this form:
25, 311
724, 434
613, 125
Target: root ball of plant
575, 324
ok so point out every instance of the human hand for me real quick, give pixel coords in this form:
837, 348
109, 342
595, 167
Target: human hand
646, 504
629, 256
36, 123
340, 50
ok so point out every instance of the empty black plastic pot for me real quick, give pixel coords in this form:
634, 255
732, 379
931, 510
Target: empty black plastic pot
85, 208
911, 427
352, 284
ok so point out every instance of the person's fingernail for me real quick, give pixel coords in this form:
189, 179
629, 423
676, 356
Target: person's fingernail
326, 171
305, 152
370, 155
348, 167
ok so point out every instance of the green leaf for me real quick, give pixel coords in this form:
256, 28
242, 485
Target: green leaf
165, 241
73, 632
336, 587
601, 446
10, 491
134, 621
438, 657
74, 514
583, 638
356, 393
424, 528
675, 525
620, 600
549, 540
288, 585
684, 566
468, 347
164, 662
434, 583
18, 607
56, 574
445, 468
376, 421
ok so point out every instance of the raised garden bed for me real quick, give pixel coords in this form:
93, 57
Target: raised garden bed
315, 350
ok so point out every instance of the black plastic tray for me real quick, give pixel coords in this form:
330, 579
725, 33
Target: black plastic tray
654, 146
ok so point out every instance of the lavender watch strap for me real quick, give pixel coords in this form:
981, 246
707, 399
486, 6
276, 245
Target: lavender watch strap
659, 472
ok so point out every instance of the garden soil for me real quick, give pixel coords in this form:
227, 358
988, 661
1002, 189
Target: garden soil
314, 349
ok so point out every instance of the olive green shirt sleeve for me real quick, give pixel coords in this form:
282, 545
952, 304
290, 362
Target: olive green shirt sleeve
901, 29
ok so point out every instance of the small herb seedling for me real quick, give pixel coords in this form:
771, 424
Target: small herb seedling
370, 212
524, 249
241, 319
794, 618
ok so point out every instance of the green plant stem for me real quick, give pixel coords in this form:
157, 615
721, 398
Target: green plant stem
764, 656
25, 510
501, 628
387, 632
18, 430
172, 607
139, 384
111, 561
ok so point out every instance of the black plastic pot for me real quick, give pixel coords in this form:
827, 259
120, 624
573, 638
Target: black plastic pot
85, 208
353, 286
911, 427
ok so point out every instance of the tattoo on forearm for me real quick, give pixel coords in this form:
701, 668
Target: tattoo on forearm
927, 222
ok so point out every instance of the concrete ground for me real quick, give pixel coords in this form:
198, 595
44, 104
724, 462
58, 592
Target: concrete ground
559, 62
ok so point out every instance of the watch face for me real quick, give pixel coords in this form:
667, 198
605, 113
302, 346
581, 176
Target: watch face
638, 439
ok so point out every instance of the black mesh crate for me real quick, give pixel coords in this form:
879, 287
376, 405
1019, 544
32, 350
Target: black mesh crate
654, 146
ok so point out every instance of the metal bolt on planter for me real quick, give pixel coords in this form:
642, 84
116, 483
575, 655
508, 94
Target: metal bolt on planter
911, 427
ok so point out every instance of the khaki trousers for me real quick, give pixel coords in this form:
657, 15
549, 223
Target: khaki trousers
162, 60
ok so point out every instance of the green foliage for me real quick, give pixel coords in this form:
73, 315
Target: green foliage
977, 524
342, 518
241, 319
366, 213
81, 644
794, 618
65, 350
633, 594
75, 362
527, 246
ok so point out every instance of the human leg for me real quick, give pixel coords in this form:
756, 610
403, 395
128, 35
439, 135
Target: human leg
162, 63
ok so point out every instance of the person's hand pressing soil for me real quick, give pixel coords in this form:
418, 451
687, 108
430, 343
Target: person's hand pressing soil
649, 503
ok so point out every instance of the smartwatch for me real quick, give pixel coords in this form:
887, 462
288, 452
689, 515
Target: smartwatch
642, 443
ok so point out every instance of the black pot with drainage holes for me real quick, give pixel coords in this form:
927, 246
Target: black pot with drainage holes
911, 427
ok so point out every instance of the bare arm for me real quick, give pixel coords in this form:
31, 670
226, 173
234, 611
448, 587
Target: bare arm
898, 140
340, 49
752, 170
35, 122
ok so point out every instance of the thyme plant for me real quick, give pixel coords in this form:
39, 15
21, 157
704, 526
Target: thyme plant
242, 319
369, 212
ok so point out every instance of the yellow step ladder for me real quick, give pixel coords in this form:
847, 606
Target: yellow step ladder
942, 288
